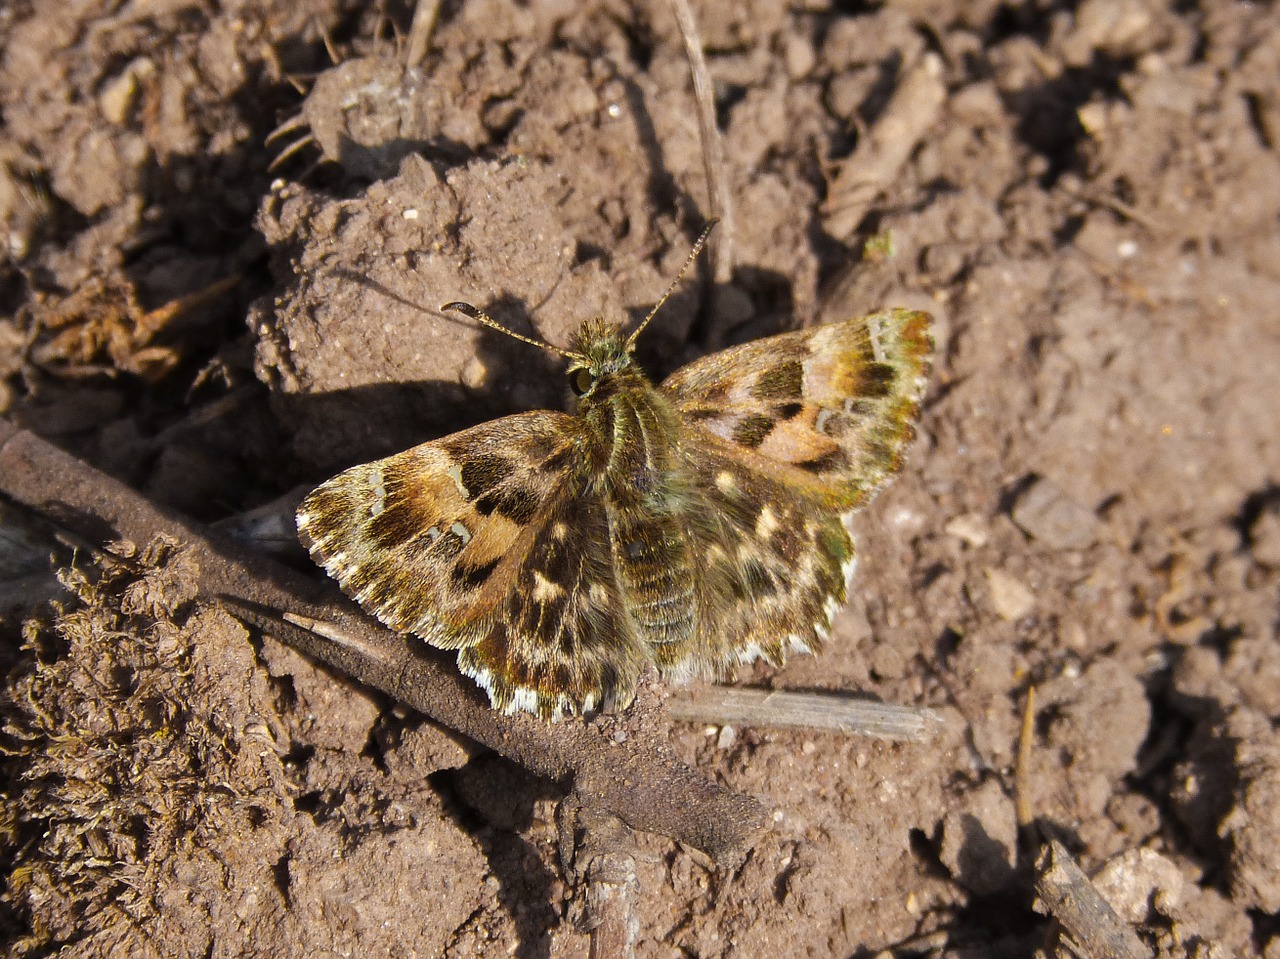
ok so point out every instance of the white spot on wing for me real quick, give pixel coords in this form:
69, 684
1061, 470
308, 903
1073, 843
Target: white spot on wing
454, 473
544, 591
876, 328
767, 523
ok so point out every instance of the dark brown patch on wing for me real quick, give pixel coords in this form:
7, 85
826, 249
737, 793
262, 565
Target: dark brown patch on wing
472, 577
756, 581
482, 473
783, 382
875, 380
516, 504
409, 511
752, 430
704, 413
832, 460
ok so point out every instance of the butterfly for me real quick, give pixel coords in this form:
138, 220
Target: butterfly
689, 526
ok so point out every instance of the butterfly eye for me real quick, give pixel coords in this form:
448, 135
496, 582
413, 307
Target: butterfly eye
581, 382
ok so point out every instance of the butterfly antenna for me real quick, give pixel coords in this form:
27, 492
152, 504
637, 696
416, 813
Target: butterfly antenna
480, 316
693, 255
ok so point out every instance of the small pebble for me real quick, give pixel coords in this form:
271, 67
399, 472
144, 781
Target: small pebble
1045, 513
1010, 599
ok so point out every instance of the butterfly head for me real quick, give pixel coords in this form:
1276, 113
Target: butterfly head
599, 351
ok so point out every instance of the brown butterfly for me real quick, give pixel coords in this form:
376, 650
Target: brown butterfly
690, 526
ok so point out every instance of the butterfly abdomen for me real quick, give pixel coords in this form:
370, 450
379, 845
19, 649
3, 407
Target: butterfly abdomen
650, 551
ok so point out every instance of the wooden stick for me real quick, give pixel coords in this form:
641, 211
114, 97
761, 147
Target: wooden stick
1066, 894
1022, 768
622, 764
424, 24
612, 890
839, 712
880, 155
713, 159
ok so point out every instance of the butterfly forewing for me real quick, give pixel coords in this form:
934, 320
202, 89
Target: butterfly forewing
829, 409
487, 541
430, 540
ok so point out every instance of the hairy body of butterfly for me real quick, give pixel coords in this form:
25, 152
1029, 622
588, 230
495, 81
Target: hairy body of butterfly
690, 526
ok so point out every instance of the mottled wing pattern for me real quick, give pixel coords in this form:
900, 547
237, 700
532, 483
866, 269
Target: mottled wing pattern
562, 641
694, 526
783, 439
828, 410
486, 541
429, 540
769, 563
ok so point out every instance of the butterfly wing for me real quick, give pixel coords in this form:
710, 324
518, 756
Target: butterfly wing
562, 641
828, 410
487, 541
782, 439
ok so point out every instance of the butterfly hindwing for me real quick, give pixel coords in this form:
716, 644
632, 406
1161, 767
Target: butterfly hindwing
769, 567
562, 639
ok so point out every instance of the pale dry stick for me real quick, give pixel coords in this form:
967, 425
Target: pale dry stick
329, 46
1066, 893
300, 144
292, 125
713, 156
838, 712
1022, 770
612, 890
619, 764
930, 944
597, 853
425, 15
1115, 204
881, 154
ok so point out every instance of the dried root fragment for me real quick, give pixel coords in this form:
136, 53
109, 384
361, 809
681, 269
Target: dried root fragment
101, 329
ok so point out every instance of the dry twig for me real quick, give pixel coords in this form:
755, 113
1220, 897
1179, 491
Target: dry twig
879, 156
1066, 894
713, 158
425, 15
1022, 770
726, 705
